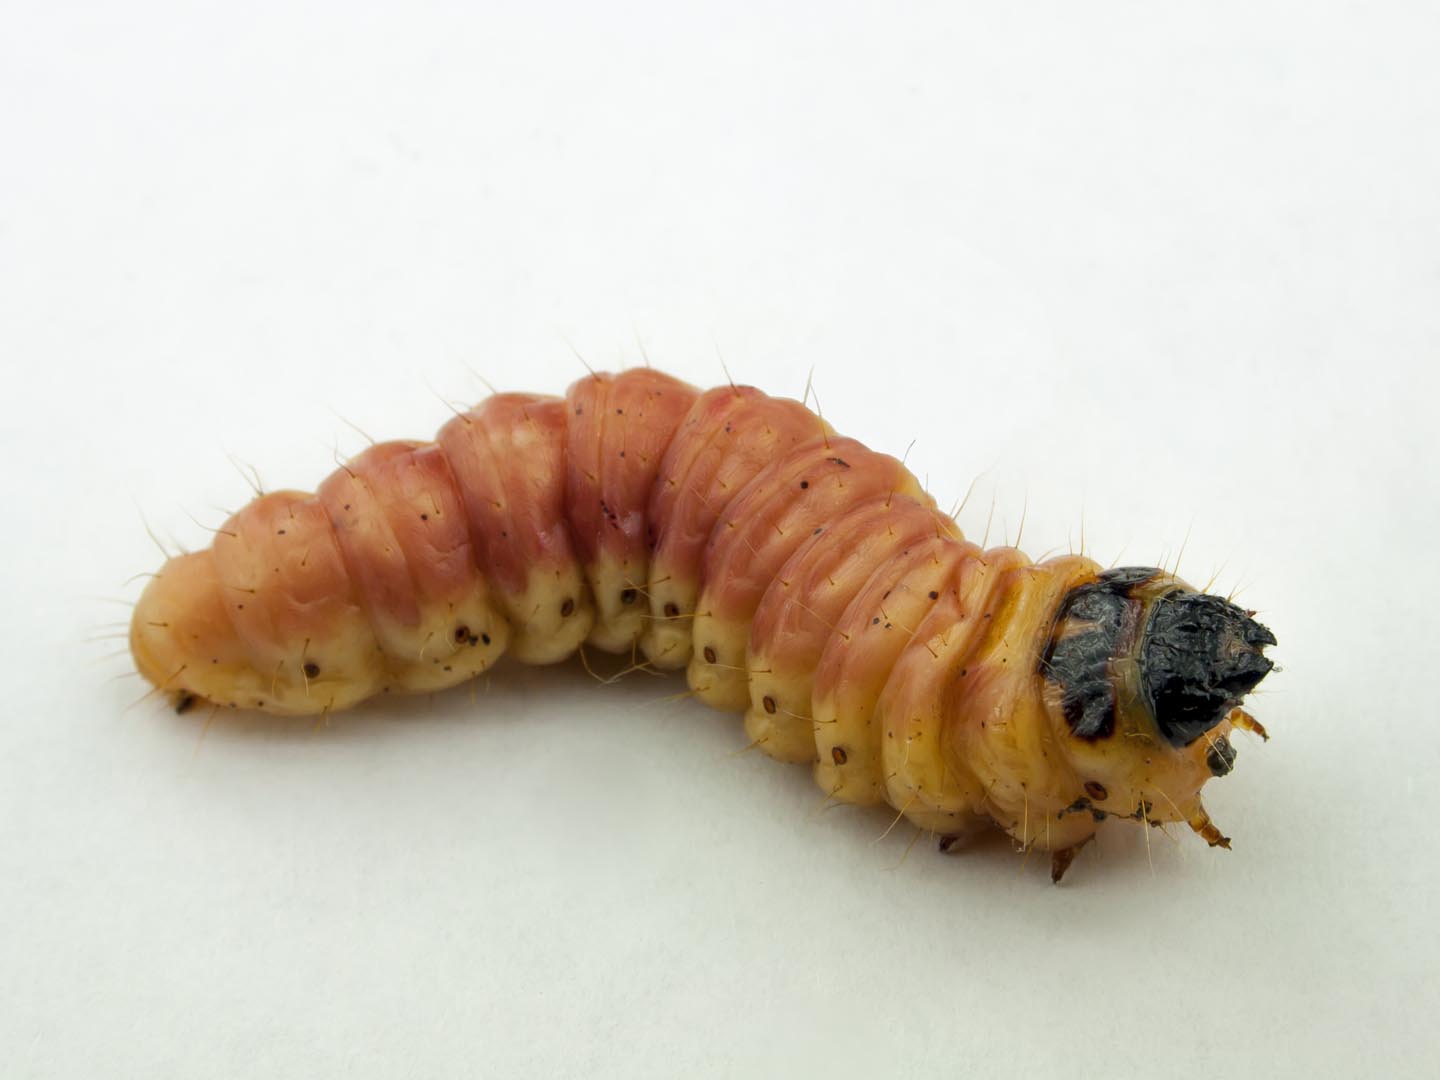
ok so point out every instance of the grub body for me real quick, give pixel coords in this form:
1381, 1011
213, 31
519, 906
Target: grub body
796, 575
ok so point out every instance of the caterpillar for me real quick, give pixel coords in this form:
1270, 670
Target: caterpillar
794, 574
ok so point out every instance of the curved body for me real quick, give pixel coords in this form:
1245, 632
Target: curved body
795, 575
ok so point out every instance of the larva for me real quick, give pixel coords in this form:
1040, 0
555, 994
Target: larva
797, 577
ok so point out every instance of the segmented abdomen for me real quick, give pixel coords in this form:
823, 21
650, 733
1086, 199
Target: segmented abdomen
797, 576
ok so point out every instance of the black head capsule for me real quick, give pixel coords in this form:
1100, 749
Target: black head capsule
1195, 656
1200, 656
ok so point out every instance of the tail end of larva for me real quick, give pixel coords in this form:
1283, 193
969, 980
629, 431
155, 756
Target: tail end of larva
181, 639
185, 644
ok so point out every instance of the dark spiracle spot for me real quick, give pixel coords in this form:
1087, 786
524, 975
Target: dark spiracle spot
1096, 791
485, 638
184, 702
628, 596
462, 632
709, 655
769, 703
568, 607
311, 669
671, 610
838, 755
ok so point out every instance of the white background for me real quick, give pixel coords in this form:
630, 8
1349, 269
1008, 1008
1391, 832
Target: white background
1172, 270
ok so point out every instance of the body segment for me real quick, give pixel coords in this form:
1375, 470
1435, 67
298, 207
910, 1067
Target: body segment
508, 458
803, 603
730, 434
